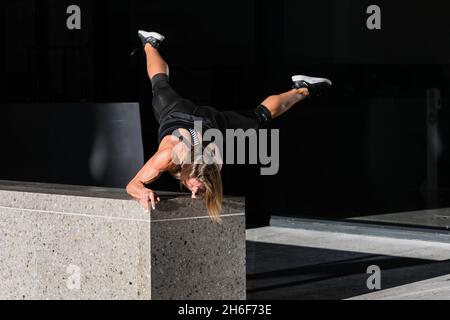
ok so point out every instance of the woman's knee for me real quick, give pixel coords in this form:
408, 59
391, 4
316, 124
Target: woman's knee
159, 79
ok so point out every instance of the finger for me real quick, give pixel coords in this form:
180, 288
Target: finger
158, 199
144, 205
144, 201
152, 199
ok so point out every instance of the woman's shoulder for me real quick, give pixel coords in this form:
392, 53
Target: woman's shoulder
161, 160
168, 142
170, 152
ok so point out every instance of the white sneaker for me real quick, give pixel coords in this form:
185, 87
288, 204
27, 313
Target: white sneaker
315, 86
153, 38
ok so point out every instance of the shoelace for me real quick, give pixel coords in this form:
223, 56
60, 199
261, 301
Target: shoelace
134, 51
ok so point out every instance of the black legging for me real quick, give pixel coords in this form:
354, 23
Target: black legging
166, 101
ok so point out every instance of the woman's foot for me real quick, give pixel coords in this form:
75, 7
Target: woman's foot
152, 38
315, 86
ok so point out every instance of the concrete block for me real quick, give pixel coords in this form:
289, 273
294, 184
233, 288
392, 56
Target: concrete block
75, 242
193, 258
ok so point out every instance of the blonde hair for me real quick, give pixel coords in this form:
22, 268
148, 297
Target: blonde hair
209, 176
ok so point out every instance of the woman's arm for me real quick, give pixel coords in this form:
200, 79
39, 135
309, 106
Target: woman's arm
151, 171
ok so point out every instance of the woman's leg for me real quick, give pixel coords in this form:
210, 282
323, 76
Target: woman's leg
280, 103
158, 71
165, 99
155, 63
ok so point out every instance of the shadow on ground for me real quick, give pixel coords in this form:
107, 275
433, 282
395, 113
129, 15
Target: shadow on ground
293, 272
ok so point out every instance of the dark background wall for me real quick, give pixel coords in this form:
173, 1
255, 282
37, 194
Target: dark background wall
359, 150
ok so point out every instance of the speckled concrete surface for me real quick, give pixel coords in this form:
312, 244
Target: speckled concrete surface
72, 205
196, 259
42, 252
17, 256
111, 257
81, 245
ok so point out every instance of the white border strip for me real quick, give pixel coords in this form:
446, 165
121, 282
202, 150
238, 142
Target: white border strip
74, 214
113, 218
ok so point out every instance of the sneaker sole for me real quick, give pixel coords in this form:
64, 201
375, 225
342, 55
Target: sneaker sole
311, 80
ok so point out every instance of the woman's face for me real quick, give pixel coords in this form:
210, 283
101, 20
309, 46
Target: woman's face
194, 186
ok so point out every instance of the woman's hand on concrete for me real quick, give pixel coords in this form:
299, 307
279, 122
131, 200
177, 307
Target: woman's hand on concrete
143, 195
148, 197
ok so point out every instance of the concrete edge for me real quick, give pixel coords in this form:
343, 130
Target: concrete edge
358, 228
